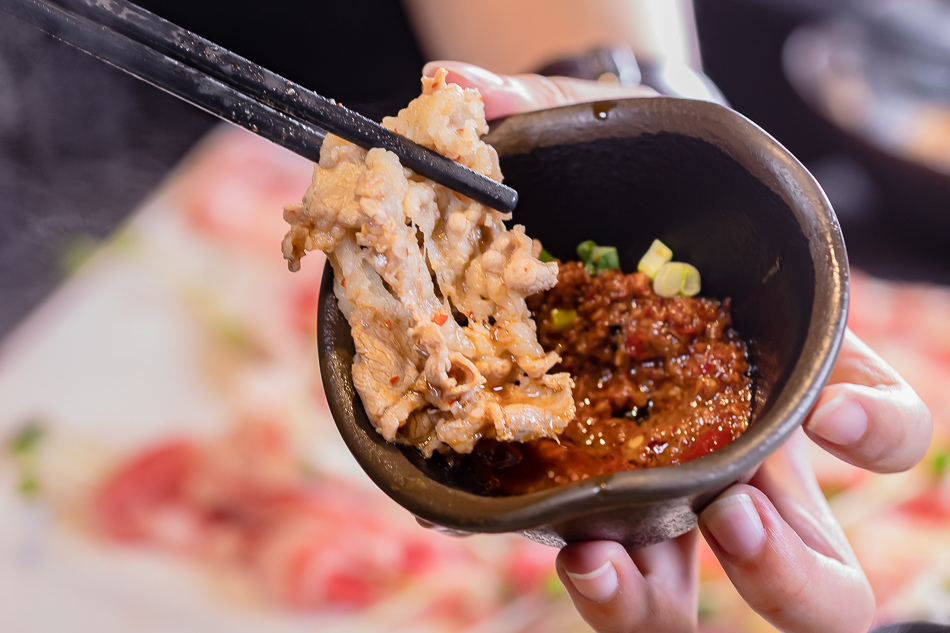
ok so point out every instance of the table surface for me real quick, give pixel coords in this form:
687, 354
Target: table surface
82, 145
188, 324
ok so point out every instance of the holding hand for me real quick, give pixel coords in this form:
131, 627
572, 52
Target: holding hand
776, 539
775, 536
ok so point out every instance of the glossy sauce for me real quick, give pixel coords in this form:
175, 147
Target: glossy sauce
658, 381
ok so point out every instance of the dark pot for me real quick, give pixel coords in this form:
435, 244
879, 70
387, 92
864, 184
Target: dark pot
725, 197
913, 627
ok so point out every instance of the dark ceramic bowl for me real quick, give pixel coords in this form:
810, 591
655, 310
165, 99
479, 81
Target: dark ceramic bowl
866, 79
725, 197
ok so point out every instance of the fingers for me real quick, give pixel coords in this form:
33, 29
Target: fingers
510, 94
868, 415
652, 589
781, 548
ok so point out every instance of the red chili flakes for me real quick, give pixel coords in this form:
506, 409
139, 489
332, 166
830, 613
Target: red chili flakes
637, 377
636, 345
394, 380
440, 319
343, 282
709, 441
388, 324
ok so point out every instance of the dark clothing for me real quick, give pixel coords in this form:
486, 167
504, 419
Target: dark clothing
359, 52
82, 143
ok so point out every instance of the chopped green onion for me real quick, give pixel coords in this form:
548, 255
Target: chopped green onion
692, 283
597, 259
707, 607
545, 256
29, 485
585, 250
553, 587
606, 258
562, 319
669, 279
76, 251
27, 439
676, 278
658, 254
24, 448
940, 463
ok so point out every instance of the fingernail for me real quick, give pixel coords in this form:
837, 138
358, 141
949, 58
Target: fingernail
842, 421
599, 585
736, 525
470, 75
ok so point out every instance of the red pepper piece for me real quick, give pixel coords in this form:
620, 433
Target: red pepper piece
713, 439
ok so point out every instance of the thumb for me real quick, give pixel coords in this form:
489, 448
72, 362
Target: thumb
510, 94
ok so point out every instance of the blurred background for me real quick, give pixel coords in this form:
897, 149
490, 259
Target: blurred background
858, 90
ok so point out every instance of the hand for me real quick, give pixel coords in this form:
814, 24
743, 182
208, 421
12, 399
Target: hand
510, 94
776, 539
775, 536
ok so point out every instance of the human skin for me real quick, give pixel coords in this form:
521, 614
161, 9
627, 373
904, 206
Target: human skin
775, 537
514, 36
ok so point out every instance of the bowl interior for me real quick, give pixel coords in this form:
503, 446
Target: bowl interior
726, 198
705, 206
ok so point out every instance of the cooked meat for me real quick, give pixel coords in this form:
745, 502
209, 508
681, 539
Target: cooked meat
659, 381
433, 286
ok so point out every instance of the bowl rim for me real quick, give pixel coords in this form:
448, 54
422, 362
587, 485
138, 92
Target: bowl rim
770, 163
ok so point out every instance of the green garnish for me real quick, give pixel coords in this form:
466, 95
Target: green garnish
585, 250
692, 283
27, 439
545, 256
553, 587
562, 319
677, 278
706, 607
940, 463
29, 485
23, 448
233, 335
669, 278
76, 251
658, 254
596, 258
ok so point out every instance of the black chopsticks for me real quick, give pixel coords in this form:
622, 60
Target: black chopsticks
233, 88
